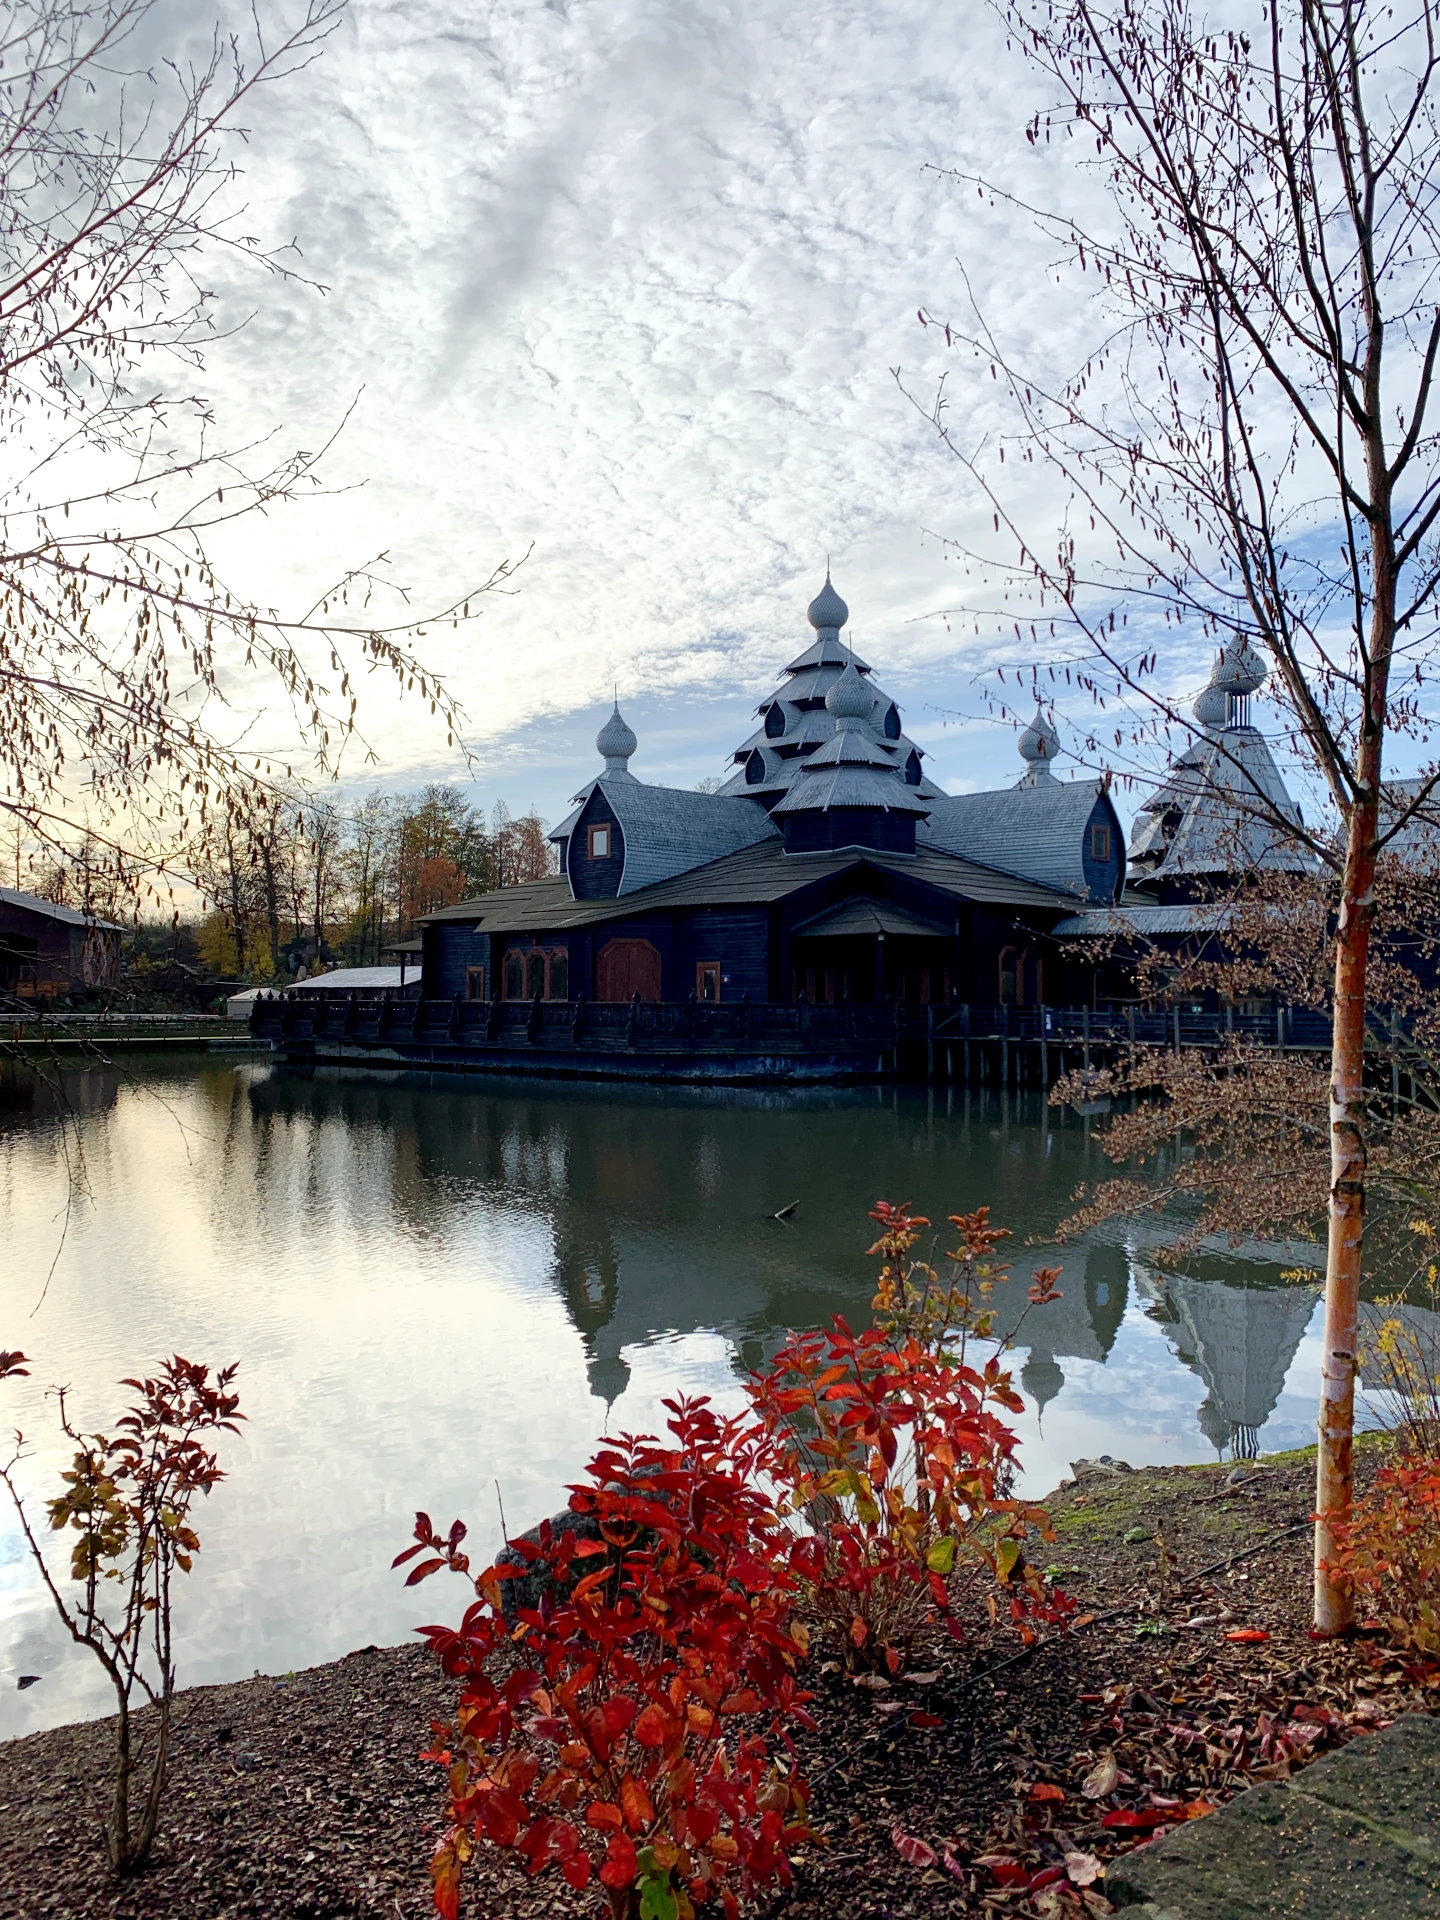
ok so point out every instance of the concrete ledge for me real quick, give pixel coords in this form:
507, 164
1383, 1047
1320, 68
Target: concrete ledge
1356, 1836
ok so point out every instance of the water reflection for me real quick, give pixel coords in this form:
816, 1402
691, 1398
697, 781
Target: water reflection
437, 1289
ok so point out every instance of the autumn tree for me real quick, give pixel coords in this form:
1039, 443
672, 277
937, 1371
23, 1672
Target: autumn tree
125, 656
1249, 451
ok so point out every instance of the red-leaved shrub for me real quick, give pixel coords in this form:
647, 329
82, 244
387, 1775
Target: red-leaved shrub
633, 1725
893, 1459
1389, 1552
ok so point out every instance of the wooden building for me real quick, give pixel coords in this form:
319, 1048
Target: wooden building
47, 950
829, 868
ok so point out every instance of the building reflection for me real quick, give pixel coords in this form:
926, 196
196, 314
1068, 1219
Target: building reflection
659, 1208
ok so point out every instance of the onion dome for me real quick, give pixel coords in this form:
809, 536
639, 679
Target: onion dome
1239, 670
849, 700
827, 612
1211, 707
1038, 746
615, 743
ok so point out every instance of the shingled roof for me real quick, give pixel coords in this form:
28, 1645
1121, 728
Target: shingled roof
753, 875
1036, 831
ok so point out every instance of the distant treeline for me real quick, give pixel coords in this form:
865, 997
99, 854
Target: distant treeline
314, 879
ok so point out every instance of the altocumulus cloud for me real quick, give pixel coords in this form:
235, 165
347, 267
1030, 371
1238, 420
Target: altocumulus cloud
625, 280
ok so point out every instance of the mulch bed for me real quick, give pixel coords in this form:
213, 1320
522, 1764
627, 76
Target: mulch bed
305, 1797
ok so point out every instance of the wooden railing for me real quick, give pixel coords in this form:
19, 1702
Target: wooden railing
788, 1026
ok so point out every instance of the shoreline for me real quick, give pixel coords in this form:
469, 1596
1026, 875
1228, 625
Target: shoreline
304, 1796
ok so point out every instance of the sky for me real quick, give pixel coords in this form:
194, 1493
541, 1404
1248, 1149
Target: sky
623, 287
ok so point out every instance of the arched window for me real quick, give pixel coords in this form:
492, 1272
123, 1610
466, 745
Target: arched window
755, 769
912, 769
514, 974
774, 720
535, 975
559, 974
892, 722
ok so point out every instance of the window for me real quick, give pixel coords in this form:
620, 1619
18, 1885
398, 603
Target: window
774, 720
534, 970
707, 982
599, 843
892, 723
474, 983
755, 769
912, 770
1099, 842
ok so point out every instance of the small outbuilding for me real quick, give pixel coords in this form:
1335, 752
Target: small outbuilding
47, 949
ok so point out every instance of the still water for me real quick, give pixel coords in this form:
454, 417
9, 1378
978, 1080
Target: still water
442, 1295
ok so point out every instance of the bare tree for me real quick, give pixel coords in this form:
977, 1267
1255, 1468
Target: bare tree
119, 636
1252, 441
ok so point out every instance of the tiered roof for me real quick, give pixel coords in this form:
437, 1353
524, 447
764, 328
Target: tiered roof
796, 723
1220, 808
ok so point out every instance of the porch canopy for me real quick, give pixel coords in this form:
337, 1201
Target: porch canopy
862, 915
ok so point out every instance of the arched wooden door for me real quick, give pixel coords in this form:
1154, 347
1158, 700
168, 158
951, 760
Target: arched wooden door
628, 967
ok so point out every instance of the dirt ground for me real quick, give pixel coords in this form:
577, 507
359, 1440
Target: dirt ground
304, 1795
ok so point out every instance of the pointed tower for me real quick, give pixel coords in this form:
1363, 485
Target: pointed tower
1218, 813
796, 722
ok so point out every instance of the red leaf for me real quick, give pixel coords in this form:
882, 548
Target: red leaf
1002, 1867
1046, 1877
620, 1863
635, 1804
916, 1852
422, 1572
651, 1728
1247, 1636
1134, 1821
604, 1815
1043, 1790
576, 1870
926, 1720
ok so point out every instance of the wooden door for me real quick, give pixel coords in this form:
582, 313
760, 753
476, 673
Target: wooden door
628, 967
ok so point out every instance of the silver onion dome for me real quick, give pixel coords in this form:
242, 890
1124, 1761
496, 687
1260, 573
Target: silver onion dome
1038, 745
1239, 670
615, 743
827, 612
849, 699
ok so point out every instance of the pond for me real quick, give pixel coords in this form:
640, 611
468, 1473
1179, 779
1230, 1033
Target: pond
441, 1295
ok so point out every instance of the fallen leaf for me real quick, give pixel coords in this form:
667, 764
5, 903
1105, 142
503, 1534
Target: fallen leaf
1044, 1790
1083, 1869
1102, 1778
874, 1682
910, 1849
1202, 1620
923, 1679
926, 1720
951, 1864
1135, 1820
1247, 1636
1046, 1877
1004, 1868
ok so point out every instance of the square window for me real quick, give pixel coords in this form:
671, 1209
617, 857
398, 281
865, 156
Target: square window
599, 843
707, 982
1099, 843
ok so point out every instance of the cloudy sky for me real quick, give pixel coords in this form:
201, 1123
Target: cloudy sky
621, 284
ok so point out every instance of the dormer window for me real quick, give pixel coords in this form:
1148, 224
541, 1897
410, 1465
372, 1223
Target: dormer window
892, 722
599, 843
755, 769
912, 769
774, 721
